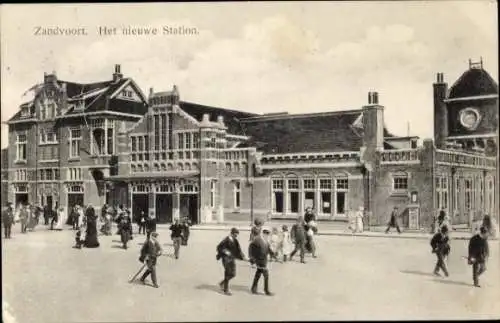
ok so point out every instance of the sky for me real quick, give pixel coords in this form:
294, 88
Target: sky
259, 57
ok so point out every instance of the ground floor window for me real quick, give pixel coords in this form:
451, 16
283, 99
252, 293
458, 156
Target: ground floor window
309, 200
277, 196
293, 202
326, 198
341, 200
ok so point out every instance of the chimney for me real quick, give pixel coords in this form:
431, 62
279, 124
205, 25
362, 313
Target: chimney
117, 75
373, 123
440, 112
151, 92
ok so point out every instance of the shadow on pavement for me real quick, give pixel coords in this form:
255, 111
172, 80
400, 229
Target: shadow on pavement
452, 282
216, 288
415, 272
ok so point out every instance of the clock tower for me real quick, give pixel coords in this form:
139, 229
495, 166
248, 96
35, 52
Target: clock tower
466, 115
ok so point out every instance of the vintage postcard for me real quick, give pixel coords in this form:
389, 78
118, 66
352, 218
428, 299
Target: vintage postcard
249, 161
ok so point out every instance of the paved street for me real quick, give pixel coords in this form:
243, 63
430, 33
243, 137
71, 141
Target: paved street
45, 280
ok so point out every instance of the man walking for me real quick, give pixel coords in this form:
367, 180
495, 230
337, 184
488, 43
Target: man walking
8, 220
393, 222
440, 246
176, 236
259, 251
298, 235
478, 254
150, 251
229, 250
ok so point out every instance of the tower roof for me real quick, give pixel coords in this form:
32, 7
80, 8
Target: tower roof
474, 82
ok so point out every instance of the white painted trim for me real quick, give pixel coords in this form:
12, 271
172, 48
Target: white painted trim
104, 112
237, 137
471, 98
89, 94
310, 165
117, 91
465, 165
410, 162
465, 154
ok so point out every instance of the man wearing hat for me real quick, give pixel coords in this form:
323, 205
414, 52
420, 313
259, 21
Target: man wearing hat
150, 251
441, 247
8, 220
478, 254
229, 250
258, 252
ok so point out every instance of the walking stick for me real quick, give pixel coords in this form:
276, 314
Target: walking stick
135, 276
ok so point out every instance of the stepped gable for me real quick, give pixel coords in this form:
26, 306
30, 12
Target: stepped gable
232, 118
318, 132
474, 82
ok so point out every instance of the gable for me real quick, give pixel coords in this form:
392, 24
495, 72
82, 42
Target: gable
129, 93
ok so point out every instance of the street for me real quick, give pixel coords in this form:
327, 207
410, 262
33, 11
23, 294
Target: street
353, 278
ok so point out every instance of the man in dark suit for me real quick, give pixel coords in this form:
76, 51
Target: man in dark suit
8, 220
298, 235
393, 221
440, 246
259, 251
176, 236
229, 250
150, 251
478, 254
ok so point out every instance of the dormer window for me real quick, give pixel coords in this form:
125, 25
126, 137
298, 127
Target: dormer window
413, 143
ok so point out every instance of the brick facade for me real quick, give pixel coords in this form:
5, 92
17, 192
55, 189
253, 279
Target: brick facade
174, 159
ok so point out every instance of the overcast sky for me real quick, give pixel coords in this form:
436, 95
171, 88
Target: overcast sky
260, 57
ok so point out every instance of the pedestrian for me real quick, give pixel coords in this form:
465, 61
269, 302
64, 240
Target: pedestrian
8, 220
298, 235
46, 214
91, 240
441, 247
151, 223
142, 223
23, 216
176, 235
393, 222
441, 216
259, 252
185, 231
150, 251
275, 244
286, 243
229, 250
359, 220
257, 223
54, 218
478, 254
81, 223
61, 216
125, 229
488, 225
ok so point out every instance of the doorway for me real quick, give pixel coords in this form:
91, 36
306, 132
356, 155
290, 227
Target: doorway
164, 208
140, 203
189, 207
21, 198
75, 199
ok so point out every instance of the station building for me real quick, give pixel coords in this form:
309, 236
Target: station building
108, 143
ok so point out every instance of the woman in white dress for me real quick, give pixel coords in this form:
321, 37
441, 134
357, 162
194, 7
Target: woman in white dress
61, 219
359, 220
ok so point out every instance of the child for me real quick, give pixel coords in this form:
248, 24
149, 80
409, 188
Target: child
275, 244
286, 243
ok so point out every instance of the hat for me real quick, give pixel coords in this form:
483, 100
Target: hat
234, 231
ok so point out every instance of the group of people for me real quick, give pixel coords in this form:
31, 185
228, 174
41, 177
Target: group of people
265, 246
478, 250
28, 216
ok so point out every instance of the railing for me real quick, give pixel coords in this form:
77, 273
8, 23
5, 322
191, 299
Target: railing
465, 160
236, 153
400, 156
315, 157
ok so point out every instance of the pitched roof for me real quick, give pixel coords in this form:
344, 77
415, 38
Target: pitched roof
231, 117
318, 132
474, 82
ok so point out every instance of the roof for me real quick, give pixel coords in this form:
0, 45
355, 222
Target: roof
318, 132
155, 175
474, 82
231, 117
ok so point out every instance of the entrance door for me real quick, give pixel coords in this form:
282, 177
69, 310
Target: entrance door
140, 203
49, 201
75, 199
189, 207
164, 208
21, 198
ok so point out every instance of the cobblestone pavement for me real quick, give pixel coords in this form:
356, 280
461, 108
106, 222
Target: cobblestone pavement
46, 280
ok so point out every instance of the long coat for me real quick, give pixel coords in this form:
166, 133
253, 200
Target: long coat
478, 248
229, 249
259, 251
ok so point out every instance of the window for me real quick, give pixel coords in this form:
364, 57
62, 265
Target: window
468, 193
75, 137
441, 192
309, 193
325, 186
21, 175
187, 141
48, 174
196, 140
400, 182
458, 197
292, 205
236, 167
277, 195
21, 142
48, 136
157, 131
163, 122
75, 174
134, 144
491, 196
237, 194
342, 189
213, 193
413, 144
180, 143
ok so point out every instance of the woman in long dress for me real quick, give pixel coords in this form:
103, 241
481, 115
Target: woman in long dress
359, 220
91, 240
61, 218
